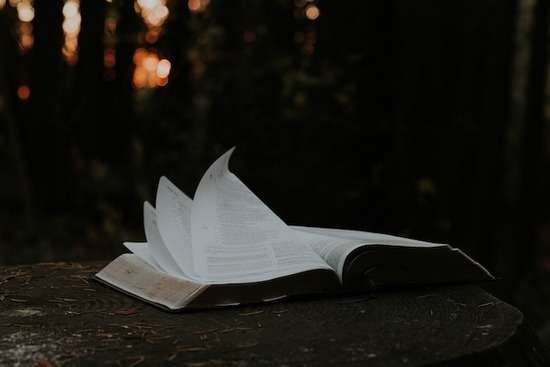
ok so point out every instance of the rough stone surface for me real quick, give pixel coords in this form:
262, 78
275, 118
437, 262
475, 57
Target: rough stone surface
54, 314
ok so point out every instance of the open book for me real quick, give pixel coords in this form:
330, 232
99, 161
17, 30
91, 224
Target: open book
226, 247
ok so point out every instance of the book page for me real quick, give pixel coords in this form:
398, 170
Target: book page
173, 210
335, 245
333, 250
237, 238
141, 250
368, 237
157, 248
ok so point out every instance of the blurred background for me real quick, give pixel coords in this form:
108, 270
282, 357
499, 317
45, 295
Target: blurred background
426, 119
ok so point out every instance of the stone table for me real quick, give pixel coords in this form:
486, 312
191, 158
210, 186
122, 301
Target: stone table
55, 314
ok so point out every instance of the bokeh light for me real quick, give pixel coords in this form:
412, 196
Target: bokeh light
150, 71
150, 62
26, 38
23, 92
25, 11
110, 40
71, 29
25, 14
109, 58
312, 12
197, 6
154, 12
163, 68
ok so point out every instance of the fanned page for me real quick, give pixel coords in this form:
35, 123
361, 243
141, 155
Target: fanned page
334, 245
173, 210
157, 247
237, 238
141, 250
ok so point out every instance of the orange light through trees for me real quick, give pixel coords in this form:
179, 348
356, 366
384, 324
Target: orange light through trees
150, 72
25, 14
71, 29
